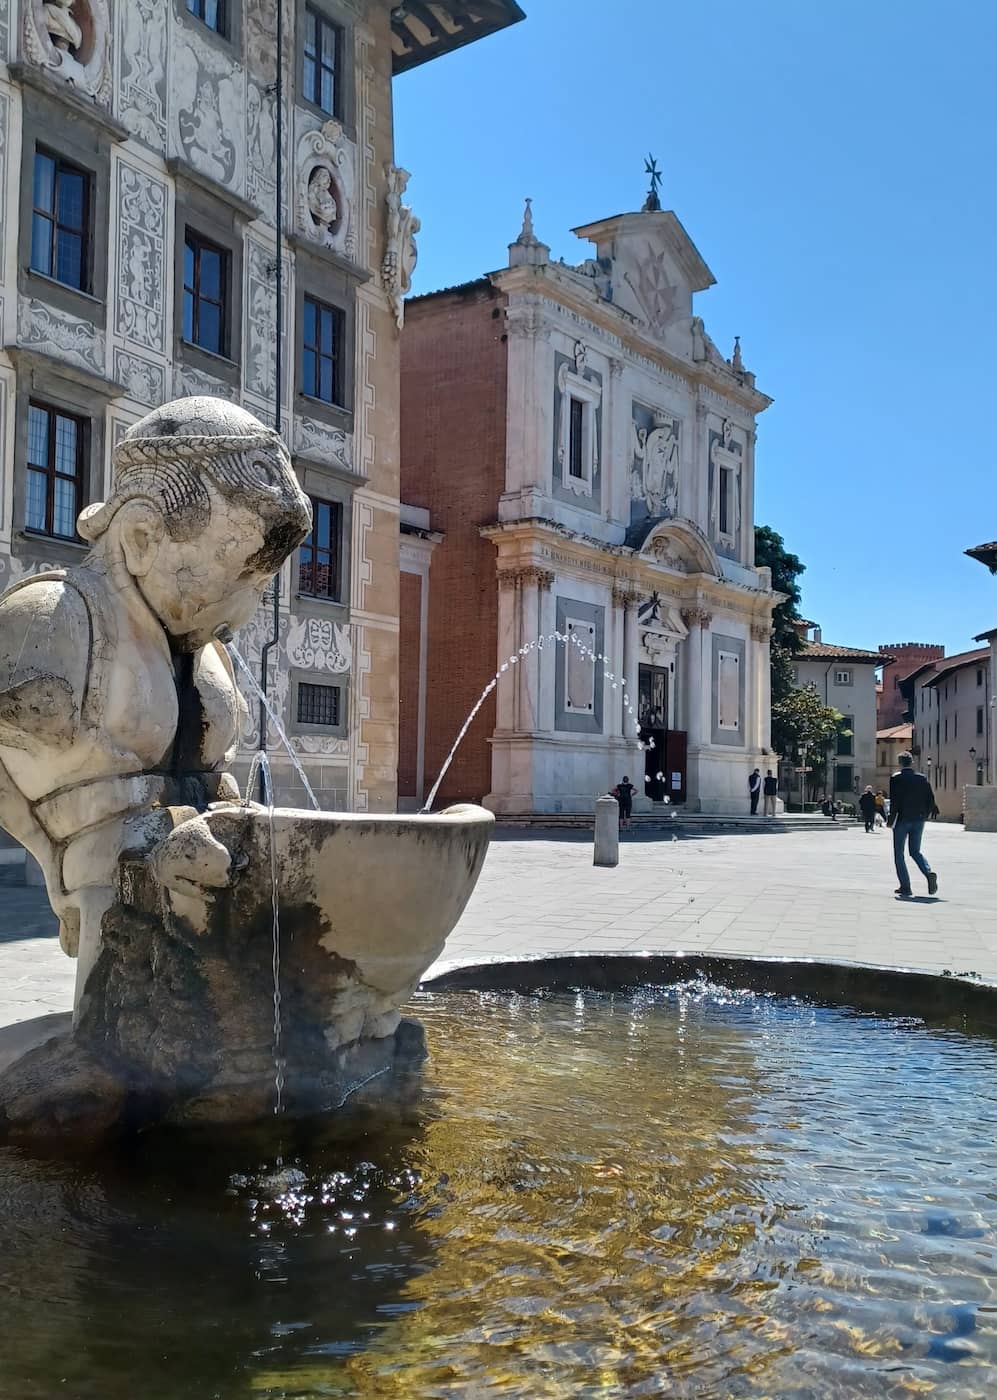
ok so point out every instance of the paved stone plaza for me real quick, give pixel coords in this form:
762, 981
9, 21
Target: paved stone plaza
803, 894
811, 895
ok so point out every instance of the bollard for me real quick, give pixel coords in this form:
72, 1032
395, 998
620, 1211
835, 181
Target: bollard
607, 832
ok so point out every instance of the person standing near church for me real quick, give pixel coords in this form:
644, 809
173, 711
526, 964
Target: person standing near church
867, 806
770, 791
754, 790
912, 802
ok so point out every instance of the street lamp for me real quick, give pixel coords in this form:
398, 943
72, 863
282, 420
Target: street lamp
979, 766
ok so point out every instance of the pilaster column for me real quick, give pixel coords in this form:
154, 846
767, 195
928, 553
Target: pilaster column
531, 581
627, 599
761, 633
506, 690
696, 687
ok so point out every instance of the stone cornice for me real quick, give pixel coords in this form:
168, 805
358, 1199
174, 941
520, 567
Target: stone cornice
86, 108
26, 359
630, 341
537, 544
186, 174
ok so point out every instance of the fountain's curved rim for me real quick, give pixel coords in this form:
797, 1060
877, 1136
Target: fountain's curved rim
956, 1000
462, 815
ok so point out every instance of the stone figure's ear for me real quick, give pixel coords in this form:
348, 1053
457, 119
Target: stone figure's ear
140, 531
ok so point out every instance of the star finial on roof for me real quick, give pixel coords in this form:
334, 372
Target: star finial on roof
652, 203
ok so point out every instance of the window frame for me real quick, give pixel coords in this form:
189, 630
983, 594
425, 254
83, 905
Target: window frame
324, 22
849, 742
843, 678
202, 242
340, 680
63, 166
51, 472
222, 10
979, 719
337, 517
339, 345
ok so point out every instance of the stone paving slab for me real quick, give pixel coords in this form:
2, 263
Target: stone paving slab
781, 895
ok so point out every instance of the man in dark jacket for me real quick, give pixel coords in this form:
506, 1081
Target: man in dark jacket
867, 805
912, 802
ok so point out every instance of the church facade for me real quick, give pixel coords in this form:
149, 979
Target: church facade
583, 459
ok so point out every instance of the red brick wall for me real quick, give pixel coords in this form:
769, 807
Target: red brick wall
408, 681
907, 657
453, 406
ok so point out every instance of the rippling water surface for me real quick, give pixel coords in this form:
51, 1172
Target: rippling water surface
686, 1193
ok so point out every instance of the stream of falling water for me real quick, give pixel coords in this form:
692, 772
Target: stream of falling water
261, 765
276, 722
537, 644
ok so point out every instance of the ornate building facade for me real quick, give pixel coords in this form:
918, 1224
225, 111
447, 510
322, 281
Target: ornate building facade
140, 144
584, 458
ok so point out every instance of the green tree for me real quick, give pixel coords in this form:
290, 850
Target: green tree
771, 552
806, 730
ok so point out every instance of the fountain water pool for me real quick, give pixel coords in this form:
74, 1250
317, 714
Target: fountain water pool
686, 1191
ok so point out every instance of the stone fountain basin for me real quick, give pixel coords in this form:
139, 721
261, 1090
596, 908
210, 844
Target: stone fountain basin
177, 1022
382, 892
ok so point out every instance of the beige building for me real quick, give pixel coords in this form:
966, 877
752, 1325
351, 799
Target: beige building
845, 679
890, 744
949, 702
143, 147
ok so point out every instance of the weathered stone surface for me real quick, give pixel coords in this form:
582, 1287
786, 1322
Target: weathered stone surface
177, 1021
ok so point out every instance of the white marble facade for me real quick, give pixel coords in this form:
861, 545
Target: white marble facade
627, 522
185, 114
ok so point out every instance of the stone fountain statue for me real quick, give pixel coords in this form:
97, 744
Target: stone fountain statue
118, 712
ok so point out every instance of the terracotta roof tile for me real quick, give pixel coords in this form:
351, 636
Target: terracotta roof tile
830, 651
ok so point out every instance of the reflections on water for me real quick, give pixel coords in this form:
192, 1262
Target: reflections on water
687, 1192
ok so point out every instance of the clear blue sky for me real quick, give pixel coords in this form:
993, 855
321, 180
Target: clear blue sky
835, 162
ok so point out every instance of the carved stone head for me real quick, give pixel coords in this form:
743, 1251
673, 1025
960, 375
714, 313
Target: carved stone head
205, 509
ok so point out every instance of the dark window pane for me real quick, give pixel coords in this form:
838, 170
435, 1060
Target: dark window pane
310, 313
325, 382
64, 507
211, 274
322, 515
38, 436
41, 244
310, 32
325, 332
72, 198
34, 517
318, 704
188, 317
188, 264
327, 100
44, 183
209, 327
65, 444
305, 577
211, 13
308, 373
69, 258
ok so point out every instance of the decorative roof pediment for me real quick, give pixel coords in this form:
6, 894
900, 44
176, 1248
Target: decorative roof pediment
654, 265
677, 544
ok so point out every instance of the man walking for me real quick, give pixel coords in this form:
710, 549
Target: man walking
754, 790
912, 802
770, 790
867, 806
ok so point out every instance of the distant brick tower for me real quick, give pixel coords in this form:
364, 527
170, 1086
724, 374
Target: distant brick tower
907, 657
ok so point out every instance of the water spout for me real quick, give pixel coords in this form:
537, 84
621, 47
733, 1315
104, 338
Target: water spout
537, 644
261, 766
278, 727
